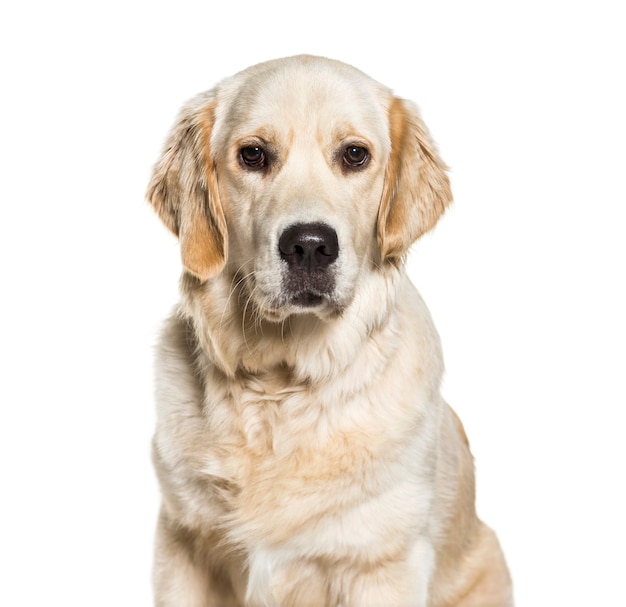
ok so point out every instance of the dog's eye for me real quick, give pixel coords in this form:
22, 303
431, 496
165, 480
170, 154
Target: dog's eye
253, 156
355, 156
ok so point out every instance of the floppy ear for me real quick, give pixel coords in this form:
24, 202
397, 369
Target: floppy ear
183, 190
416, 190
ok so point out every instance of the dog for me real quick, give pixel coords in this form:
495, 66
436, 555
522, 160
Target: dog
304, 453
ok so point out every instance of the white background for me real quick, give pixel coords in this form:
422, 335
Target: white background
524, 276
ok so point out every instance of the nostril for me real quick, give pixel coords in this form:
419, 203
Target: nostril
309, 246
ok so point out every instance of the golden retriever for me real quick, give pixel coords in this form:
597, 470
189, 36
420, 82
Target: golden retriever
304, 453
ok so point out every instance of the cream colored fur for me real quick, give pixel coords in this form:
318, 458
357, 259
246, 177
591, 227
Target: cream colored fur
305, 454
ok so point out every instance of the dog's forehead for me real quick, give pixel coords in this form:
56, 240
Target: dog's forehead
300, 93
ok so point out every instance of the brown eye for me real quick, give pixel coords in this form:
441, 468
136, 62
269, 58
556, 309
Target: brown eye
355, 156
253, 156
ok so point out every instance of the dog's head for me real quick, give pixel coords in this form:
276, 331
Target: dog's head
292, 177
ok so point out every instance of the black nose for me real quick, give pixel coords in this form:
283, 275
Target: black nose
309, 246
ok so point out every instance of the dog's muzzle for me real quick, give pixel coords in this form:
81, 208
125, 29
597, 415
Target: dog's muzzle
309, 250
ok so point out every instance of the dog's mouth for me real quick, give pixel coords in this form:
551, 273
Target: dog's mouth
297, 302
308, 291
308, 288
307, 299
302, 302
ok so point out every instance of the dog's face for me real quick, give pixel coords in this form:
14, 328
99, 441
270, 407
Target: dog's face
301, 156
293, 178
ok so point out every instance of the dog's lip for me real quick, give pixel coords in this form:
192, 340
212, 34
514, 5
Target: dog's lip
302, 301
307, 299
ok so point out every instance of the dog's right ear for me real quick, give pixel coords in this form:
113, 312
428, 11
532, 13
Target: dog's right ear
183, 190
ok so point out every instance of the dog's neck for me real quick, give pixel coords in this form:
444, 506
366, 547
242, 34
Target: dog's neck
236, 340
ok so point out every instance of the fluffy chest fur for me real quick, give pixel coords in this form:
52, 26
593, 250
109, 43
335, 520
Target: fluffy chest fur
289, 456
276, 470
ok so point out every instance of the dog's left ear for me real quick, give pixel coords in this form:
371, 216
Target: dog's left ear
416, 190
183, 190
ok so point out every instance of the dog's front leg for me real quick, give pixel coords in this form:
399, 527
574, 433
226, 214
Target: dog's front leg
402, 583
181, 577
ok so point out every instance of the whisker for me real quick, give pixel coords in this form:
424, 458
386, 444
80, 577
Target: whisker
256, 321
233, 287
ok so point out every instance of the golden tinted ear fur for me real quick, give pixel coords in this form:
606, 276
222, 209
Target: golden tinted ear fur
417, 189
183, 190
